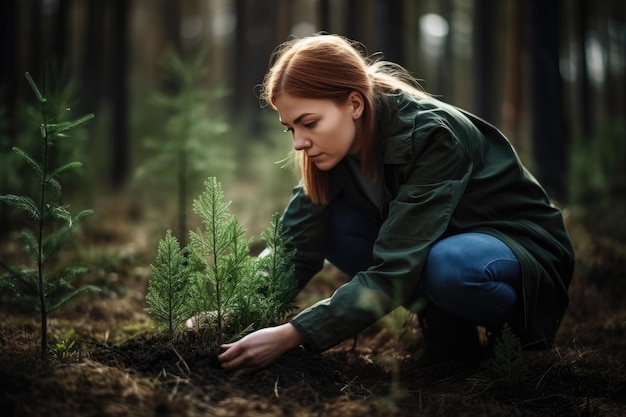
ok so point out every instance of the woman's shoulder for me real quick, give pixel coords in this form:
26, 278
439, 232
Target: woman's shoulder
417, 116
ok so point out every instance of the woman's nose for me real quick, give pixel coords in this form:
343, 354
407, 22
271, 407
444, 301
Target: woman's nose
300, 143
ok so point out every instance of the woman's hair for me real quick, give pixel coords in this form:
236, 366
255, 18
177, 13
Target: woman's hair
332, 67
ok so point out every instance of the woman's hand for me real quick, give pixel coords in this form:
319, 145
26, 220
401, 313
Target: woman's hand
260, 348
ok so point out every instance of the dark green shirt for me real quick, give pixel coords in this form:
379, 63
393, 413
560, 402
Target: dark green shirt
445, 172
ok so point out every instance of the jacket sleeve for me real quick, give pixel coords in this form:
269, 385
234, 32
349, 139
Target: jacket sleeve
433, 183
307, 227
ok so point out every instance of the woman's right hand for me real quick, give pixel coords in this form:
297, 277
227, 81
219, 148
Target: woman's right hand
260, 348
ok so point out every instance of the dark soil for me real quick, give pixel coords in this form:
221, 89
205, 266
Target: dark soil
107, 361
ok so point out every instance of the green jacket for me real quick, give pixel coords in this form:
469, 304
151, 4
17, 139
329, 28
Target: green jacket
446, 172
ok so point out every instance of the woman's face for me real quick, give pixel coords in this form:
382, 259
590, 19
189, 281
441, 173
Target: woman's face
322, 129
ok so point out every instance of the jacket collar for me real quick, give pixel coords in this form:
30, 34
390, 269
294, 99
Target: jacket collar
395, 131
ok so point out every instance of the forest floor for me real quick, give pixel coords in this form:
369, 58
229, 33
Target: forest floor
106, 360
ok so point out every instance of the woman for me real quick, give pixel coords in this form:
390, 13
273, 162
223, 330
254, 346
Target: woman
421, 203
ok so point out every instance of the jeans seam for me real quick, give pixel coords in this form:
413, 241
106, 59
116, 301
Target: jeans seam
486, 281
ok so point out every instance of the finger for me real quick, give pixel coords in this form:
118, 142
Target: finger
235, 364
226, 346
235, 358
230, 354
227, 355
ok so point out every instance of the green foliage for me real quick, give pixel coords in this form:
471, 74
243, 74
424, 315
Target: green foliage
37, 286
232, 291
597, 163
61, 92
598, 181
64, 350
193, 142
508, 364
220, 250
274, 272
165, 297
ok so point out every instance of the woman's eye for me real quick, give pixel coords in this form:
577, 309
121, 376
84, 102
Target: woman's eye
287, 130
309, 125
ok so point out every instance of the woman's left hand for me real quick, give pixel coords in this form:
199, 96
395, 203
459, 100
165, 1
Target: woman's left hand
260, 348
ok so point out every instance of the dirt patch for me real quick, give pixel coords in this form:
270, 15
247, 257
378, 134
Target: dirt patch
108, 362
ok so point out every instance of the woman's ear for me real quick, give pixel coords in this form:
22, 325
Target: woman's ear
356, 102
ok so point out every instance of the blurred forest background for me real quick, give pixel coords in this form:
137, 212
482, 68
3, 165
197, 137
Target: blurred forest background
550, 74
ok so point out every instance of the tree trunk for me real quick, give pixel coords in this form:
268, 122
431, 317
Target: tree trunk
585, 113
324, 15
93, 74
239, 60
10, 75
547, 110
390, 22
119, 92
512, 103
9, 79
35, 60
61, 37
445, 62
484, 28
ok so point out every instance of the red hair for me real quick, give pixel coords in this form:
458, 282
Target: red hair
330, 67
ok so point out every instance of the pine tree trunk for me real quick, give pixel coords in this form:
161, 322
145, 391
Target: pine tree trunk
547, 108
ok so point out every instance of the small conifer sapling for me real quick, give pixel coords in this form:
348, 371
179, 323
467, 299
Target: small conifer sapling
166, 299
221, 283
508, 363
192, 143
221, 252
42, 289
274, 273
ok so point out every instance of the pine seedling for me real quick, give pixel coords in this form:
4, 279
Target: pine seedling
168, 289
508, 363
219, 283
221, 252
54, 225
274, 273
193, 143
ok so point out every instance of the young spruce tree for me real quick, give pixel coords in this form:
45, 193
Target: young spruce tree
221, 252
192, 143
508, 364
37, 286
168, 290
222, 285
273, 275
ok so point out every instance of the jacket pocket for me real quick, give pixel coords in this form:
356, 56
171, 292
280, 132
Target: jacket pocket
420, 212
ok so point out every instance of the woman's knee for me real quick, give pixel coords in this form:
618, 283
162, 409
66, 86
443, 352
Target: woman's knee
443, 272
472, 275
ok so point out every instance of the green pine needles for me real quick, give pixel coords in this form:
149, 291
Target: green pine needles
508, 364
38, 286
192, 142
171, 280
218, 282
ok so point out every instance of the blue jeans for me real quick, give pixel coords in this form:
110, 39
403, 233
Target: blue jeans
474, 276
